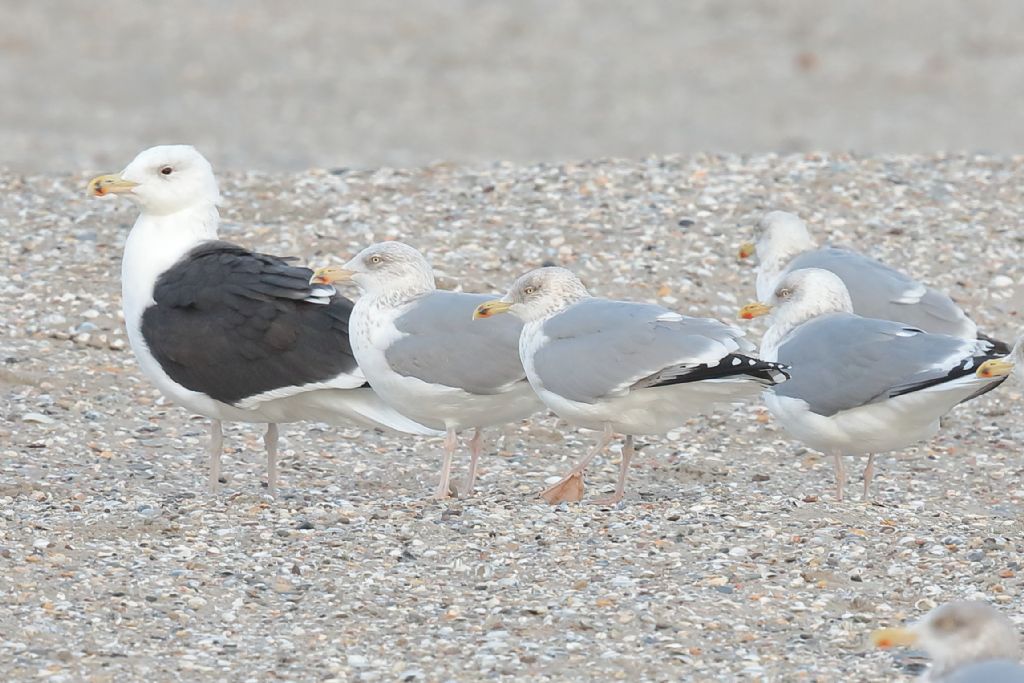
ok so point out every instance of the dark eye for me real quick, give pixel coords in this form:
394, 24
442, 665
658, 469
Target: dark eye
167, 170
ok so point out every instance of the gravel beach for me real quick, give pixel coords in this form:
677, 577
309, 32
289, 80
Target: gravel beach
728, 560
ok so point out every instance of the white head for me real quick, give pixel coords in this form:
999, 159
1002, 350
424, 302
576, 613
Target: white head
957, 634
800, 296
781, 236
384, 268
537, 295
163, 180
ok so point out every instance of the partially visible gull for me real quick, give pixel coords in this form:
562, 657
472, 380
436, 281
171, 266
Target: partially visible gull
876, 290
225, 332
1014, 361
969, 642
422, 353
618, 366
860, 385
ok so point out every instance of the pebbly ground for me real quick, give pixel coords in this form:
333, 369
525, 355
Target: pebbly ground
729, 559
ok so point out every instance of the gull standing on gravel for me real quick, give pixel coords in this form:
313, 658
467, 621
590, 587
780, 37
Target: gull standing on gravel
225, 332
876, 290
968, 641
618, 366
424, 355
860, 386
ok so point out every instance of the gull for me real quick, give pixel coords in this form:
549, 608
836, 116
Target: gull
860, 386
619, 366
422, 353
876, 290
968, 641
225, 332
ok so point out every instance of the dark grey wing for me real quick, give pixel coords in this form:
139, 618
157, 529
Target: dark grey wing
878, 291
841, 361
995, 671
597, 348
444, 345
232, 324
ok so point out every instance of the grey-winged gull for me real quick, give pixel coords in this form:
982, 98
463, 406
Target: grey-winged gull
785, 244
968, 642
424, 355
860, 386
225, 332
618, 366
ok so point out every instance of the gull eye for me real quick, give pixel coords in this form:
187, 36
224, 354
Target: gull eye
167, 170
376, 260
529, 290
948, 624
784, 292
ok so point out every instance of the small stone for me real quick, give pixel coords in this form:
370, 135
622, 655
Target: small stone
1001, 281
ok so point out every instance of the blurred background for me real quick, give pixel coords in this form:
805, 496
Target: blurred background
363, 83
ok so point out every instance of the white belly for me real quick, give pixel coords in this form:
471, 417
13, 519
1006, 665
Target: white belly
651, 411
436, 406
874, 428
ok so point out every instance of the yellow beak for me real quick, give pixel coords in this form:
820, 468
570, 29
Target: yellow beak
754, 310
997, 367
489, 308
746, 250
893, 637
102, 185
328, 275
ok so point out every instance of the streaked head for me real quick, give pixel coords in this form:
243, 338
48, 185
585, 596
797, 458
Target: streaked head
536, 295
163, 180
956, 634
383, 267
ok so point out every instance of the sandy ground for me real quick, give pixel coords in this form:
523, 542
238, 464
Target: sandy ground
370, 83
729, 559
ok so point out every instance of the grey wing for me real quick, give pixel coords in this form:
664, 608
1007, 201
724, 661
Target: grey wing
597, 348
444, 345
996, 671
878, 291
841, 361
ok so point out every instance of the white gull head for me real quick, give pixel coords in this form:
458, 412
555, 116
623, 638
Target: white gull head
543, 292
802, 295
170, 178
782, 235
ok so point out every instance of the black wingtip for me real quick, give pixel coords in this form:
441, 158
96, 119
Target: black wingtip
999, 348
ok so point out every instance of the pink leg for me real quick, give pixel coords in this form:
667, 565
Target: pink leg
620, 485
570, 488
450, 441
869, 473
475, 447
840, 470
